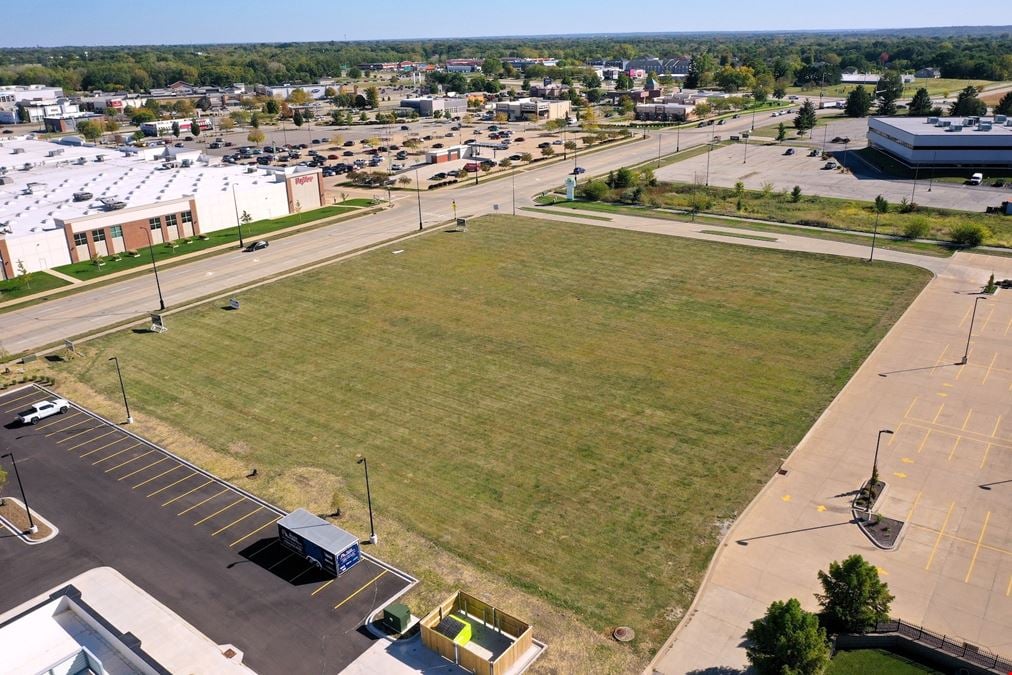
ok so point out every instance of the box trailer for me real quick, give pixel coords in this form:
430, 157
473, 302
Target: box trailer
327, 546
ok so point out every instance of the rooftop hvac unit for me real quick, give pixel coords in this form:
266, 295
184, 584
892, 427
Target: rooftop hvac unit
932, 120
944, 123
955, 127
1000, 119
99, 158
82, 196
18, 151
983, 127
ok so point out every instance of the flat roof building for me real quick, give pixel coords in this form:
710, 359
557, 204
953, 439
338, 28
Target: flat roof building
533, 109
664, 112
971, 142
425, 106
67, 201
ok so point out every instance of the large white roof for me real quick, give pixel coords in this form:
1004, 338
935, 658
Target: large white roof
43, 177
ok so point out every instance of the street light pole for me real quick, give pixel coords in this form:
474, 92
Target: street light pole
368, 496
678, 138
418, 194
158, 284
874, 466
658, 149
119, 373
31, 523
874, 235
709, 149
966, 352
238, 219
745, 161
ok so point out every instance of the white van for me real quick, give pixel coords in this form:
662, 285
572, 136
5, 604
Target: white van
976, 179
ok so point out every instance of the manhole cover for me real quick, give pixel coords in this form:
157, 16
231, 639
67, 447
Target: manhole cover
623, 634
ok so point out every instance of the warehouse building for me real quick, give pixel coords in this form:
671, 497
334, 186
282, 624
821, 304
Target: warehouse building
971, 142
63, 202
425, 106
533, 109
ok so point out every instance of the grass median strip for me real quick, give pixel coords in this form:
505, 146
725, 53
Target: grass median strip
590, 401
739, 235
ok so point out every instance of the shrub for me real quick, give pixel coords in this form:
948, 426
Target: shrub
915, 228
796, 194
855, 599
594, 190
968, 234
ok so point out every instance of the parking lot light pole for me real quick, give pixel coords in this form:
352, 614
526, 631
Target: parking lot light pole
678, 138
745, 161
368, 495
966, 352
31, 523
238, 218
151, 250
129, 419
878, 442
709, 149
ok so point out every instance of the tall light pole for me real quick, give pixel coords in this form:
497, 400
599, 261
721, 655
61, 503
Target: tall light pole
418, 194
658, 149
678, 138
151, 250
119, 373
31, 523
238, 219
368, 495
513, 179
745, 161
966, 352
874, 466
709, 149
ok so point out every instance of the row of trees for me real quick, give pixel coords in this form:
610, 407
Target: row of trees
860, 101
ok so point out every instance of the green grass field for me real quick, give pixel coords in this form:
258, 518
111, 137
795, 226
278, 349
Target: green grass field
38, 282
575, 409
874, 662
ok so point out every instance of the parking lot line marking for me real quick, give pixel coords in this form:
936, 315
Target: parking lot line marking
941, 356
965, 317
937, 414
1008, 589
280, 561
143, 468
209, 481
172, 484
14, 400
941, 394
924, 441
987, 373
70, 438
945, 430
132, 459
202, 520
177, 466
980, 539
237, 520
910, 513
909, 408
983, 460
103, 447
62, 418
322, 586
1009, 326
118, 452
247, 536
986, 321
966, 420
954, 446
265, 546
964, 540
216, 494
368, 583
938, 539
308, 568
90, 440
994, 432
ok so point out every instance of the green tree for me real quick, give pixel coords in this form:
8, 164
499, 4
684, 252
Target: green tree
787, 641
271, 106
920, 104
796, 194
594, 190
255, 136
1004, 106
854, 598
111, 126
805, 120
759, 94
547, 151
967, 103
968, 234
194, 128
623, 81
781, 132
226, 124
881, 204
372, 97
491, 67
890, 88
297, 118
779, 92
354, 73
254, 120
623, 178
142, 115
175, 128
527, 157
858, 102
90, 130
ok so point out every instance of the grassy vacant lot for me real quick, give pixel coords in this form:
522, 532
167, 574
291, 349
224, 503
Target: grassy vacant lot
37, 283
936, 87
874, 662
578, 410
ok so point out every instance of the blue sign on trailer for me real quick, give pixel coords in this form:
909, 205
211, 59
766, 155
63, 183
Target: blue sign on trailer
330, 548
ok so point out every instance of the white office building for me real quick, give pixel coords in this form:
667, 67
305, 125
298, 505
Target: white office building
971, 142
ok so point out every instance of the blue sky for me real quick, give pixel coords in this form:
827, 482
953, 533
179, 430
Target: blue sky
103, 22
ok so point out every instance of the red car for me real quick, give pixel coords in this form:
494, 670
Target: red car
471, 166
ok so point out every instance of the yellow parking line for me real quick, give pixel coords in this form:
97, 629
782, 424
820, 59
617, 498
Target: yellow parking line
62, 418
308, 568
983, 459
986, 321
987, 373
53, 433
934, 549
954, 446
118, 452
994, 432
19, 398
945, 429
940, 408
245, 537
325, 584
202, 520
964, 540
264, 547
910, 513
369, 583
163, 489
965, 316
966, 420
973, 561
924, 441
144, 468
223, 491
177, 466
237, 520
103, 447
1009, 326
280, 561
91, 440
941, 356
209, 481
132, 459
70, 438
1008, 589
910, 407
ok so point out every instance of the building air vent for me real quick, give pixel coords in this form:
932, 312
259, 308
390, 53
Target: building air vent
18, 151
955, 127
1000, 119
932, 120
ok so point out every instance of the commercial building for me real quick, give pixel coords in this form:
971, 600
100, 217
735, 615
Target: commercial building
425, 106
533, 109
63, 202
870, 79
664, 112
928, 73
36, 99
523, 62
315, 91
463, 65
63, 124
971, 142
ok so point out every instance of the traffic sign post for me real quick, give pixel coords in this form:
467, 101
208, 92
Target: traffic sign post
158, 324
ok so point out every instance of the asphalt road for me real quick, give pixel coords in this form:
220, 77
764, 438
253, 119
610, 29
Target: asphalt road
208, 552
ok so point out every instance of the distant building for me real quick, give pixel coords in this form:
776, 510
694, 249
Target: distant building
463, 65
533, 109
521, 63
964, 142
869, 78
551, 91
63, 124
664, 112
315, 91
425, 106
928, 73
648, 64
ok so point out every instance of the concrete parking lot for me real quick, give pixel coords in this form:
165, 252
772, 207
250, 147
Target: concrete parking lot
763, 161
201, 546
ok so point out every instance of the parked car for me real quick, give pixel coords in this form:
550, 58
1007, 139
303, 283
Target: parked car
830, 165
257, 246
213, 146
404, 127
228, 144
349, 144
316, 141
348, 153
396, 166
578, 170
472, 166
188, 138
438, 176
179, 145
42, 410
438, 146
546, 144
516, 158
557, 141
519, 139
789, 151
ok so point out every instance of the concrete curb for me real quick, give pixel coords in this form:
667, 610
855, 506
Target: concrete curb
35, 516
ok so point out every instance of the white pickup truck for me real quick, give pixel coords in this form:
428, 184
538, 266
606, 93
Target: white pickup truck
44, 409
